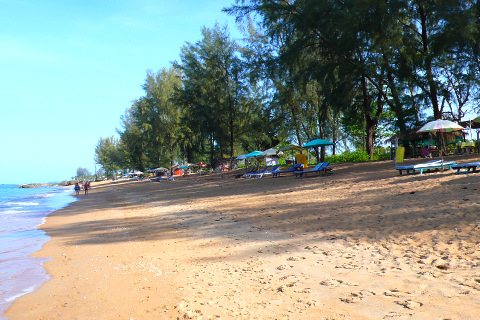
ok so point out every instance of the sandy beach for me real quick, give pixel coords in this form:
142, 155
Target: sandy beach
363, 243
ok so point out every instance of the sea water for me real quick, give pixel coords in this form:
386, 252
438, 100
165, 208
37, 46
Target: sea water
22, 211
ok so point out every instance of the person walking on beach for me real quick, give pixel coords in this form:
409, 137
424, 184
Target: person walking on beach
77, 189
86, 186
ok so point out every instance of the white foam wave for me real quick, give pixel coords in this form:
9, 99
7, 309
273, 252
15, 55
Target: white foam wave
24, 292
23, 204
12, 211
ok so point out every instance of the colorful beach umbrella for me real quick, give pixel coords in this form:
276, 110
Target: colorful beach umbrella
440, 126
241, 157
317, 143
291, 147
253, 154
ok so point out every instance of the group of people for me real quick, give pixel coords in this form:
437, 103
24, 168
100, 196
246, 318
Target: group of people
85, 187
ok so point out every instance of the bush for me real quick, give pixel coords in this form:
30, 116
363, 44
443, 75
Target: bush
360, 156
356, 156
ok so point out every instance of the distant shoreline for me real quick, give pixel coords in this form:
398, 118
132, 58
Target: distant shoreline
41, 185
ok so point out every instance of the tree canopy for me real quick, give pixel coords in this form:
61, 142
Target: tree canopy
353, 72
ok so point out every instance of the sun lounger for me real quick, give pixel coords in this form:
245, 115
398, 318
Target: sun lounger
162, 178
322, 168
241, 175
469, 167
429, 165
295, 167
268, 172
250, 174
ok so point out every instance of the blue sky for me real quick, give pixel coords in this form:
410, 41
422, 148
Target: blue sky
70, 69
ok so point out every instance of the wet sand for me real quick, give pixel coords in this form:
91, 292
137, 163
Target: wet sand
363, 243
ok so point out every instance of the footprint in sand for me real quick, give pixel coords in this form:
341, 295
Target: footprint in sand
284, 287
395, 315
354, 297
347, 266
296, 258
337, 283
395, 293
409, 304
331, 283
284, 267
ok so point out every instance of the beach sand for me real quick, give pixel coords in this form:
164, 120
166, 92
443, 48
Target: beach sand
363, 243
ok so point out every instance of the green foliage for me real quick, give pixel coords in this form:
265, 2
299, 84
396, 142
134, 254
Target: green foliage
352, 72
83, 172
108, 155
380, 153
357, 156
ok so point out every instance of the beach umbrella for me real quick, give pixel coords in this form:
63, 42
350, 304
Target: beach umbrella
317, 143
291, 147
253, 154
441, 126
183, 167
242, 157
270, 152
474, 124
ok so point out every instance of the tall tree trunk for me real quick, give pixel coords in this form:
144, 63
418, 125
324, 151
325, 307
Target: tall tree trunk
322, 149
432, 92
212, 152
231, 144
371, 122
370, 131
397, 104
170, 148
295, 123
189, 153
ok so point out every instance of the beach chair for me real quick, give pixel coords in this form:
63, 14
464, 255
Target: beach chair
469, 167
240, 175
322, 168
161, 178
268, 172
295, 167
301, 158
249, 174
429, 165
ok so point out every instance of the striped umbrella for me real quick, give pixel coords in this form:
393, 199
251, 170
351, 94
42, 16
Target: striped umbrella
440, 126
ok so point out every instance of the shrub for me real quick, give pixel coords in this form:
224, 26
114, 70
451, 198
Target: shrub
357, 156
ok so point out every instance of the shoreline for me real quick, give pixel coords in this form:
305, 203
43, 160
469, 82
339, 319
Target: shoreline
65, 183
23, 214
363, 243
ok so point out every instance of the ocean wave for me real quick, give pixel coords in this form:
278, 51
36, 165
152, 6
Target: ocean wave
23, 204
